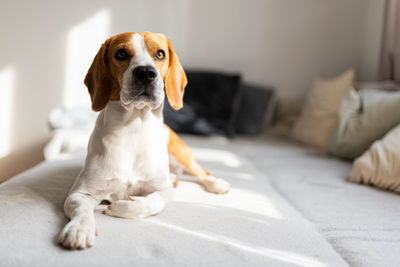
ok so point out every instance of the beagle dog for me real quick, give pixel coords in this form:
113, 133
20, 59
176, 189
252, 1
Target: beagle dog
130, 149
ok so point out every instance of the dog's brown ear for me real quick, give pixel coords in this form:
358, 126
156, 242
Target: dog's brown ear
98, 80
175, 81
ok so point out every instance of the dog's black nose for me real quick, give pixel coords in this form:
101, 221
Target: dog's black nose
145, 74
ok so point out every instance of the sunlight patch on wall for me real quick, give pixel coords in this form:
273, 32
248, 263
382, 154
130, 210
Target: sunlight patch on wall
83, 42
6, 100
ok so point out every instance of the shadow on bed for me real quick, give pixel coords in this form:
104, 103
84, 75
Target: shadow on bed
43, 190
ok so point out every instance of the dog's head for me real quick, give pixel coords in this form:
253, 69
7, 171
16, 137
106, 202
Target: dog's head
136, 69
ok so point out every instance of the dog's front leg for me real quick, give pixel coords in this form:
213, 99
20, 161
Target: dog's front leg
80, 232
141, 207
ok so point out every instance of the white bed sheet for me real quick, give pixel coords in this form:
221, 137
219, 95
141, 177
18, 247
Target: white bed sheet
251, 226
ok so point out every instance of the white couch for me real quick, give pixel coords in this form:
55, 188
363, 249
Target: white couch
289, 206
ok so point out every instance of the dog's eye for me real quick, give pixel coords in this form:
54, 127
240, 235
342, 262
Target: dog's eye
160, 55
121, 54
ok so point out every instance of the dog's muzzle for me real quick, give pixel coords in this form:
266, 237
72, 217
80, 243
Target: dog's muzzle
143, 81
143, 86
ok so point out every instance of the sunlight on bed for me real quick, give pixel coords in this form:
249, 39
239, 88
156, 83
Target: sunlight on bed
83, 42
244, 176
215, 155
6, 101
284, 256
240, 199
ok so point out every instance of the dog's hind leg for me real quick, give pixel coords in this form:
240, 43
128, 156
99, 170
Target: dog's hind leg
178, 149
137, 207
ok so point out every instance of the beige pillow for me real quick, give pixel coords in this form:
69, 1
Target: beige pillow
319, 117
380, 165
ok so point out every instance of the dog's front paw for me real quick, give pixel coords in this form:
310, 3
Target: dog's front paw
216, 185
78, 234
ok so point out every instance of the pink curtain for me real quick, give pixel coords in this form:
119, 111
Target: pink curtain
390, 54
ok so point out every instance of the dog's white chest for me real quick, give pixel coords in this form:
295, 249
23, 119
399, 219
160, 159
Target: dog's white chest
130, 149
139, 147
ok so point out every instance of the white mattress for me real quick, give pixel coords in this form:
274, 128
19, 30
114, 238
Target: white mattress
360, 222
253, 225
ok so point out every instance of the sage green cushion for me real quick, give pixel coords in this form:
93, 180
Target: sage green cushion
364, 117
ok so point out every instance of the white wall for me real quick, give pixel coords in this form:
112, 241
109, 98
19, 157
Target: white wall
284, 43
373, 22
48, 45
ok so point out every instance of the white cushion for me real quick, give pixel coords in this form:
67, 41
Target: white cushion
365, 117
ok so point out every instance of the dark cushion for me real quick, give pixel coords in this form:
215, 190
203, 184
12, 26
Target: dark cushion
255, 111
211, 104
